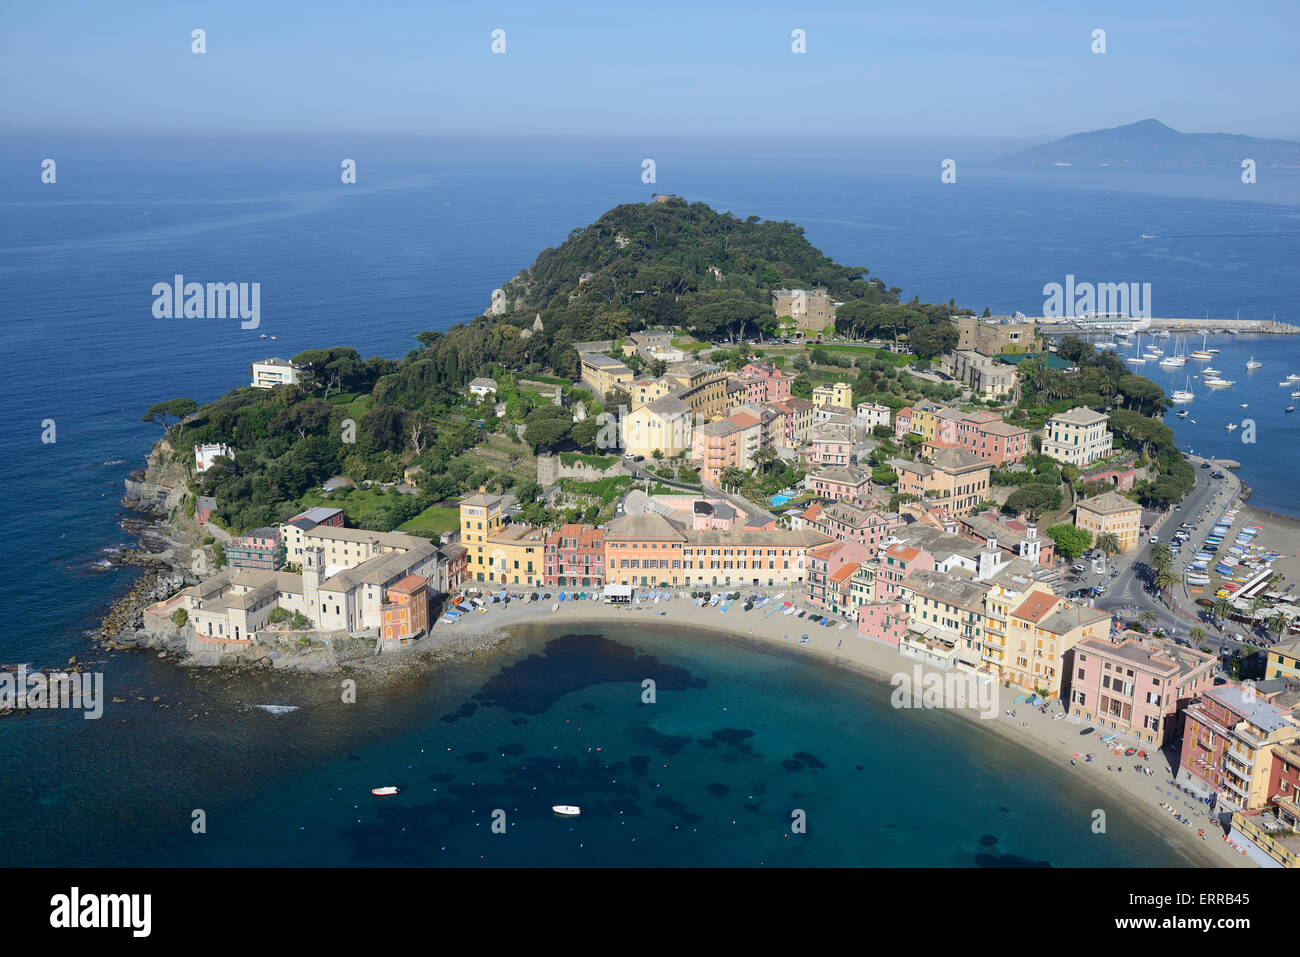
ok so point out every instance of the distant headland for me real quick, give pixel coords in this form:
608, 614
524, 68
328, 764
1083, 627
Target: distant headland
1150, 143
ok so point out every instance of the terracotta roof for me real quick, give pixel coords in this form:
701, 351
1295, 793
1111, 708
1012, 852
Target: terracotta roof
409, 584
845, 572
1035, 607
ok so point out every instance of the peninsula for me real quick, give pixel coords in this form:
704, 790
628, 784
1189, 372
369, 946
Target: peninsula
678, 409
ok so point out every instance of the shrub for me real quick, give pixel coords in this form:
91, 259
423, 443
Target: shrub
179, 617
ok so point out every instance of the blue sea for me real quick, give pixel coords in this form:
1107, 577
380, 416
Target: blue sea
419, 242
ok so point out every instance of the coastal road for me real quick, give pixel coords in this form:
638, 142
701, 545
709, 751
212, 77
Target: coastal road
1127, 592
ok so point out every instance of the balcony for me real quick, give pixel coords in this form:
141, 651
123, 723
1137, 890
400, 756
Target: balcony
1231, 784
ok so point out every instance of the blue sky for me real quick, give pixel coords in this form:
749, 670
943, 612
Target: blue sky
873, 73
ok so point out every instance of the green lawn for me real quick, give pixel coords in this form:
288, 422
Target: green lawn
357, 404
433, 521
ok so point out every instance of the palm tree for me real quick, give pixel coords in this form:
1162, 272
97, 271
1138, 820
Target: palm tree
1148, 618
1108, 542
764, 457
1162, 559
1222, 607
1166, 580
1256, 604
1278, 625
1197, 634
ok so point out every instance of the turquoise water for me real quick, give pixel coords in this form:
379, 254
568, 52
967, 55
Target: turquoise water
739, 738
779, 500
420, 245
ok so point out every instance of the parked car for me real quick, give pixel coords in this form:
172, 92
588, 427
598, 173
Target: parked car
1154, 539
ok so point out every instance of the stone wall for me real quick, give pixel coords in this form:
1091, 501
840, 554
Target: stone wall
550, 470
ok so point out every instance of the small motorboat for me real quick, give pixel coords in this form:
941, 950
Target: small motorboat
384, 791
566, 810
1289, 408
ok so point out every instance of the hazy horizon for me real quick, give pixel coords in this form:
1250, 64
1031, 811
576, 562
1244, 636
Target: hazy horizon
1007, 76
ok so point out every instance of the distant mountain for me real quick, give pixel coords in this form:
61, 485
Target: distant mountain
1150, 143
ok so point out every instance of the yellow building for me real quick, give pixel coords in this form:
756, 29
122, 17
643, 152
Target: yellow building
1078, 437
948, 608
956, 479
1039, 633
516, 555
604, 374
645, 391
664, 424
838, 395
700, 385
497, 551
1284, 660
1007, 591
1109, 512
925, 420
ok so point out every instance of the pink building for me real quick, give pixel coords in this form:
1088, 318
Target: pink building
840, 482
886, 619
903, 423
575, 555
764, 383
850, 523
1138, 686
983, 433
829, 445
798, 419
827, 561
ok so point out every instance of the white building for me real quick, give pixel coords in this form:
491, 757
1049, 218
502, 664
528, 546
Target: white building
872, 414
205, 455
482, 386
268, 373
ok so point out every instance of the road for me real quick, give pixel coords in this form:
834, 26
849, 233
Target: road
1127, 592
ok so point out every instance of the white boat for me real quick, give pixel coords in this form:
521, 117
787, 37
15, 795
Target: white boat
1184, 394
1136, 360
1252, 364
566, 810
1210, 373
1284, 383
1181, 413
384, 791
1295, 395
1163, 333
1293, 377
1231, 426
1173, 362
1219, 383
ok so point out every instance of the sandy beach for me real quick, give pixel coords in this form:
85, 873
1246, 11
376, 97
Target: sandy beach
1053, 739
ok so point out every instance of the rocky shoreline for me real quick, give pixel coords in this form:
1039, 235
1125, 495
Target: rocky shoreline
173, 551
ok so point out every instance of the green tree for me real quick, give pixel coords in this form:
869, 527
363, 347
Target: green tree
732, 477
1162, 558
1108, 542
1197, 634
179, 408
1071, 542
179, 617
1278, 625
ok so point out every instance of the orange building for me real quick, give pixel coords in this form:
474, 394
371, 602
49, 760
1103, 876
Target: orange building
406, 613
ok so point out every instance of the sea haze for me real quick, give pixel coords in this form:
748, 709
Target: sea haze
419, 242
